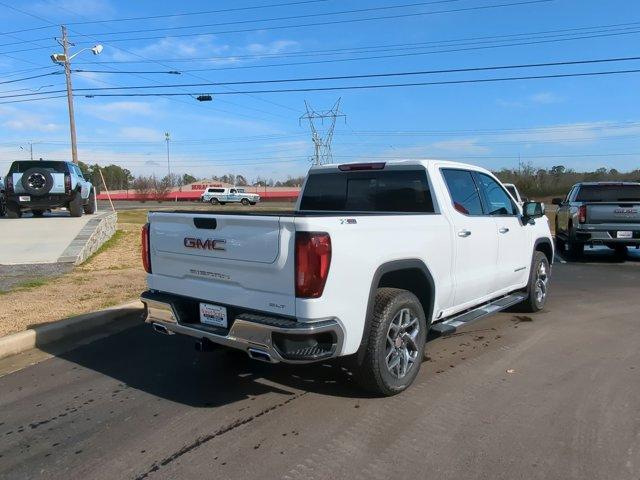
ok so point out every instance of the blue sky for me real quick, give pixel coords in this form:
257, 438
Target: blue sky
580, 122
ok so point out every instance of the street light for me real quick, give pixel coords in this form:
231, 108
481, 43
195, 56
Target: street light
65, 60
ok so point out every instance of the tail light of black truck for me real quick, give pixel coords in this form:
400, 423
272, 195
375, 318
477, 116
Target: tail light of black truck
582, 214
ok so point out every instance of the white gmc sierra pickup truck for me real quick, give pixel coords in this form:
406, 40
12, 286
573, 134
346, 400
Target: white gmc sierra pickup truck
374, 256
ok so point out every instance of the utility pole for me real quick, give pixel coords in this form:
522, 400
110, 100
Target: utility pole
67, 74
167, 138
31, 150
322, 143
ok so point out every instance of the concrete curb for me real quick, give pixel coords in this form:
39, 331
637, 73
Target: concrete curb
44, 335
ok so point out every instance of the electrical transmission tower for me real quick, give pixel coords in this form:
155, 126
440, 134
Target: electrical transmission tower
322, 135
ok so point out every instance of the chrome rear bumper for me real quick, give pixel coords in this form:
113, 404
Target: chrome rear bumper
249, 332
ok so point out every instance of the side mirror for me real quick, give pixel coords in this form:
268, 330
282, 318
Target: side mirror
556, 201
532, 210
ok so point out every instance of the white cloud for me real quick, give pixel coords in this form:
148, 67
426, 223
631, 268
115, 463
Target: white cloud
545, 98
21, 121
117, 111
540, 98
141, 133
467, 146
205, 47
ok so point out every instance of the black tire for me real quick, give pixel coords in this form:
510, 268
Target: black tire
3, 207
245, 201
37, 181
620, 252
13, 210
372, 372
535, 301
37, 213
214, 201
575, 249
75, 206
90, 206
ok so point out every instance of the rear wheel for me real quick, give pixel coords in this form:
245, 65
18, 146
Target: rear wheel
575, 249
214, 201
620, 252
90, 207
538, 283
75, 206
244, 201
396, 343
13, 210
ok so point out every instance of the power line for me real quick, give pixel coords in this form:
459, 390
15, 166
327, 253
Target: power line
367, 87
337, 22
274, 19
30, 78
206, 12
367, 76
495, 38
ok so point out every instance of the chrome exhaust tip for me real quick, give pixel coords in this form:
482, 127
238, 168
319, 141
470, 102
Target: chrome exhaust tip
261, 355
161, 329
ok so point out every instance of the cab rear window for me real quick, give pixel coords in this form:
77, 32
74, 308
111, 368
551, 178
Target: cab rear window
608, 193
368, 191
53, 167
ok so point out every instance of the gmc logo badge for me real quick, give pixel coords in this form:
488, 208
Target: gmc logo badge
208, 244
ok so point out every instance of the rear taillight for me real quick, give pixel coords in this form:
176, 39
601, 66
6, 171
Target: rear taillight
10, 184
582, 214
313, 257
146, 250
67, 183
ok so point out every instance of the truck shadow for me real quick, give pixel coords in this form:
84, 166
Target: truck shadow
170, 368
599, 254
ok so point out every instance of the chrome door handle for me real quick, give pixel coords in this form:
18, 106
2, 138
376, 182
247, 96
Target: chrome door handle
464, 233
504, 230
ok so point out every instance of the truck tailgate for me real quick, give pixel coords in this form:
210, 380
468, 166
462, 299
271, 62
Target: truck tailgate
613, 212
229, 259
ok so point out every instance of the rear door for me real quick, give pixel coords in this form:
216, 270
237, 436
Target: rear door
475, 237
514, 255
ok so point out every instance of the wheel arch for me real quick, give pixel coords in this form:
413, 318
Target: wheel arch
545, 246
409, 274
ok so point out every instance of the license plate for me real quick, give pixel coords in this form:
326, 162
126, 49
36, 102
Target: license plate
213, 315
624, 234
24, 198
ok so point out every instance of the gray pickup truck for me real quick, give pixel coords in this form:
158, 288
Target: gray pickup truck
43, 185
603, 213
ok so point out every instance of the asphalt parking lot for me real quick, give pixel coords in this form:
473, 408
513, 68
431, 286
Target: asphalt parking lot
554, 395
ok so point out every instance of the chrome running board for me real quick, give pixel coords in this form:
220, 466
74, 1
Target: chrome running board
451, 324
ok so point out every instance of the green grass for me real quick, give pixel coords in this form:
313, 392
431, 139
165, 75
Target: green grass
28, 284
133, 216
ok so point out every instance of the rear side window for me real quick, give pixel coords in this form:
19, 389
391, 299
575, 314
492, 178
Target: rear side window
608, 193
463, 191
53, 167
512, 191
497, 199
216, 190
368, 191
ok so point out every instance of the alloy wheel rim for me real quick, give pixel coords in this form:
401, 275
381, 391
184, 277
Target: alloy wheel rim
542, 278
401, 343
36, 181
